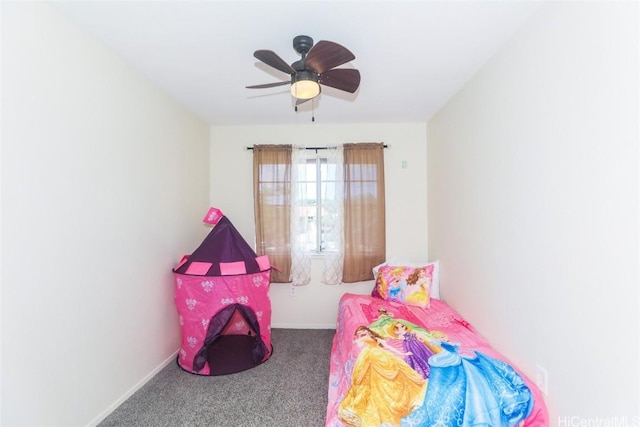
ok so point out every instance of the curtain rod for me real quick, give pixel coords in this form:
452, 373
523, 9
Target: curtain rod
318, 148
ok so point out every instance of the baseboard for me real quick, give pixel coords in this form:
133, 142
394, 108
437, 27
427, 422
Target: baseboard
303, 326
132, 390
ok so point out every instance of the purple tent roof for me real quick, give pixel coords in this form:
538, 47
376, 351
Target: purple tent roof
223, 252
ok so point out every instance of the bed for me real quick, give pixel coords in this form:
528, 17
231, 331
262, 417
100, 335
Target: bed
401, 359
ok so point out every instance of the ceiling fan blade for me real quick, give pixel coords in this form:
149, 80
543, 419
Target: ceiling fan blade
346, 79
326, 55
270, 58
266, 85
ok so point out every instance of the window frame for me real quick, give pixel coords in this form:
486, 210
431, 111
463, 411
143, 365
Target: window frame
318, 161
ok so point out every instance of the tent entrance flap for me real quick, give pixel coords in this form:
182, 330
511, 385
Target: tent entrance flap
225, 352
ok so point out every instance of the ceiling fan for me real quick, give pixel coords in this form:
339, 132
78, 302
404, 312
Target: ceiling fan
315, 68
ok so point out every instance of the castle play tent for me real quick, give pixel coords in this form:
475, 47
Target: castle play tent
221, 294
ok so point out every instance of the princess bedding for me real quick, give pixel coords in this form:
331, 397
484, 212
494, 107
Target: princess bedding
404, 358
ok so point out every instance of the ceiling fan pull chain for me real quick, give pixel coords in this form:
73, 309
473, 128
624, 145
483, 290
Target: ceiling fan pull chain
313, 110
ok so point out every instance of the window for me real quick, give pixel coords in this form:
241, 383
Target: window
315, 196
329, 201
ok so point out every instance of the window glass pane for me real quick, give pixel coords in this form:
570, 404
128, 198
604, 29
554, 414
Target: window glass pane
310, 196
310, 174
317, 208
328, 223
328, 212
307, 217
323, 169
306, 213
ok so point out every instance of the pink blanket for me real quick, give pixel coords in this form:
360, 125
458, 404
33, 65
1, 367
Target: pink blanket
395, 364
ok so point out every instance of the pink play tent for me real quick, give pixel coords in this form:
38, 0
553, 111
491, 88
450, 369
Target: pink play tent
222, 297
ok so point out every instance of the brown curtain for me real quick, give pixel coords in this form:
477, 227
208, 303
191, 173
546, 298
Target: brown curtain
364, 210
272, 206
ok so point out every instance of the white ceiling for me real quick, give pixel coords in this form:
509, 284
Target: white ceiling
413, 55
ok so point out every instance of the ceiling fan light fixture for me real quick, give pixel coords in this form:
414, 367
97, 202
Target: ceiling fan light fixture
304, 85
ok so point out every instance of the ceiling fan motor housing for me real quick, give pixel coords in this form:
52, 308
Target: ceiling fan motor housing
302, 44
304, 75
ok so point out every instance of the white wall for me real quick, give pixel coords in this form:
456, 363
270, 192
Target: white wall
533, 205
104, 185
316, 305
